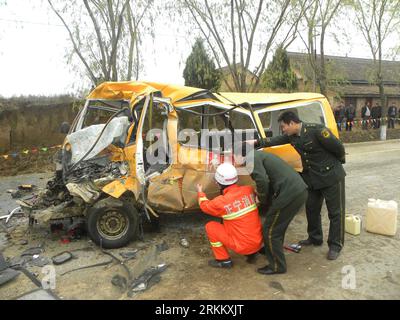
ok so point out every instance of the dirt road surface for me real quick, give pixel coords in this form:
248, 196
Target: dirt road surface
368, 268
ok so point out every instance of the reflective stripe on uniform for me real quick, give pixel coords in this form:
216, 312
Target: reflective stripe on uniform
202, 199
216, 244
240, 213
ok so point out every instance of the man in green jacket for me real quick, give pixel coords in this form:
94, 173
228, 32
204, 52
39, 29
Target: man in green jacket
322, 156
281, 193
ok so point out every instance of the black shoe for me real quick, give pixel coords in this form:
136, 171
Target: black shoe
333, 254
309, 242
220, 263
251, 258
267, 270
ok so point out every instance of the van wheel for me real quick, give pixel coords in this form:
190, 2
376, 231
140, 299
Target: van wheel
113, 226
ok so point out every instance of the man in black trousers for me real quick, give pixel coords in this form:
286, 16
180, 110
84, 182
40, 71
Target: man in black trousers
322, 155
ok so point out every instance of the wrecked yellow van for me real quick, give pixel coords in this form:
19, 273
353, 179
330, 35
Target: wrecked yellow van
138, 149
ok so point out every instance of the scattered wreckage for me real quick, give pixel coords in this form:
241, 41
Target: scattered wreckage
138, 149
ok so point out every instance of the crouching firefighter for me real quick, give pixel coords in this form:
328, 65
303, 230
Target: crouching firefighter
241, 229
282, 193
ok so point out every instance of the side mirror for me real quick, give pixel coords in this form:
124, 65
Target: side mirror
65, 127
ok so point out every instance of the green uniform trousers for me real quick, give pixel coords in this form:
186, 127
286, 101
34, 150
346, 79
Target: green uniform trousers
275, 225
335, 202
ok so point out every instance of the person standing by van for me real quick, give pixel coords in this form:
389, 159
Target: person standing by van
322, 156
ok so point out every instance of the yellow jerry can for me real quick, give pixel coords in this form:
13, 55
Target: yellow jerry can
353, 224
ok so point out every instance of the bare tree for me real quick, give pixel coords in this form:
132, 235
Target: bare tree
242, 34
105, 35
318, 19
377, 20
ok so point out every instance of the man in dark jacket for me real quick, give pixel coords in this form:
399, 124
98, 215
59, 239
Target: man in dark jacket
281, 193
350, 113
322, 155
392, 112
365, 115
339, 116
376, 114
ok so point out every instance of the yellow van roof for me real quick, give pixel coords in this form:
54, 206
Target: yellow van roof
183, 95
129, 90
264, 98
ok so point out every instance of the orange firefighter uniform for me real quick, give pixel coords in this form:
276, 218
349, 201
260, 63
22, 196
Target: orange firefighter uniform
241, 230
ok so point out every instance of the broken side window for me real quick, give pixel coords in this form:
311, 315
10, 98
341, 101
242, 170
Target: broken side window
189, 126
309, 113
155, 138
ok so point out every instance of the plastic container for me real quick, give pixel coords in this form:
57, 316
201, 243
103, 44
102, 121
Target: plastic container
381, 217
353, 224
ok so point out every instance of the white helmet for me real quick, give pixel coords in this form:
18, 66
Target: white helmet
226, 174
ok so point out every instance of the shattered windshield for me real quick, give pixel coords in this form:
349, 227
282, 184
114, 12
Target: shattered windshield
99, 112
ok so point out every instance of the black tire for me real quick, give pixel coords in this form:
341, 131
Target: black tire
113, 227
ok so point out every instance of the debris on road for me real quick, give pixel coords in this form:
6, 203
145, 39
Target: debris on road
33, 251
7, 275
23, 242
293, 248
120, 282
39, 261
128, 255
276, 285
7, 217
162, 246
184, 243
3, 263
147, 279
62, 258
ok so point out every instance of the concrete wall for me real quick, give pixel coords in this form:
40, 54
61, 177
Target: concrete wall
33, 126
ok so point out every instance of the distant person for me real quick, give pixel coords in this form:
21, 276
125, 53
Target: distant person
350, 113
339, 116
392, 113
366, 115
376, 114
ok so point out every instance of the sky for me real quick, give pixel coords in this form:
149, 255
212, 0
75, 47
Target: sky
33, 42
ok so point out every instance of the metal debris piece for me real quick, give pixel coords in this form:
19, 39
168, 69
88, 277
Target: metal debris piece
128, 255
3, 263
32, 251
62, 258
39, 261
7, 217
162, 246
147, 285
16, 194
120, 282
276, 285
26, 187
18, 262
184, 243
8, 275
147, 279
23, 242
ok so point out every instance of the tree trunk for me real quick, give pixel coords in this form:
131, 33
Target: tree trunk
322, 71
